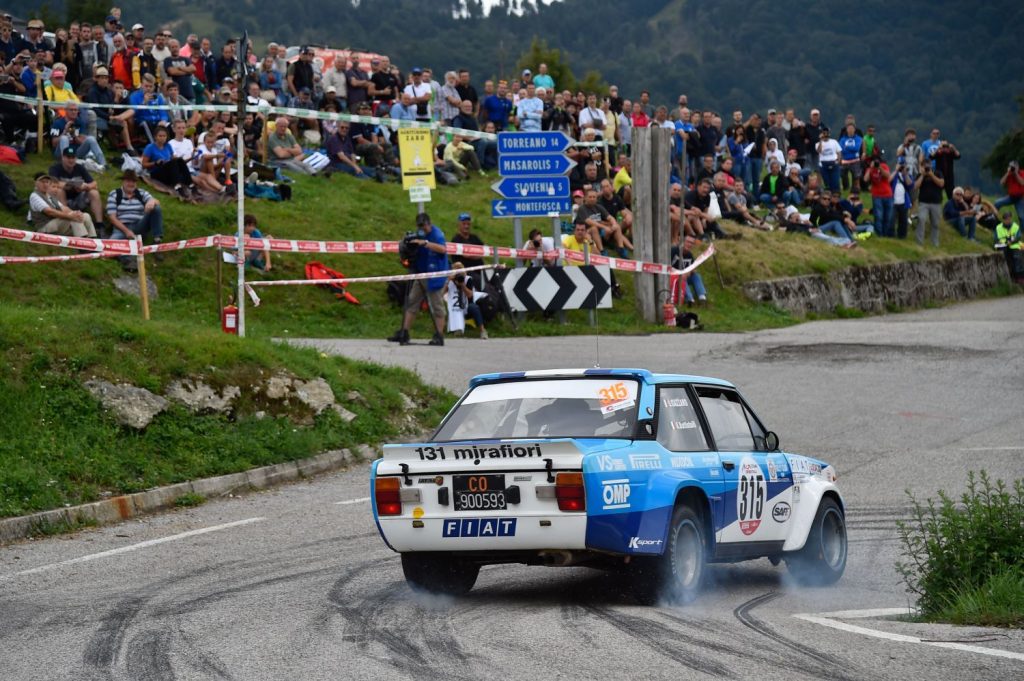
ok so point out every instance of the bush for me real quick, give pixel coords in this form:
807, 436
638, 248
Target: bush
954, 553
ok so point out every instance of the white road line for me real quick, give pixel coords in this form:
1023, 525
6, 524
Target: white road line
830, 619
135, 547
1013, 448
351, 501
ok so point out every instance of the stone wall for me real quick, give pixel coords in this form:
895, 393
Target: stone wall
876, 288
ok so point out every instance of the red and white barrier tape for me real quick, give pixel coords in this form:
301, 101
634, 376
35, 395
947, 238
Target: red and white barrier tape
357, 280
115, 247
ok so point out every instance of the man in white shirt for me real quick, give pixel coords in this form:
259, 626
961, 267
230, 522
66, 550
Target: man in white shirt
530, 110
420, 93
592, 117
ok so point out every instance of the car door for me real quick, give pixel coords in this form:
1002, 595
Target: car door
682, 433
753, 487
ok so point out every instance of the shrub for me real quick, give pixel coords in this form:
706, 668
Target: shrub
952, 551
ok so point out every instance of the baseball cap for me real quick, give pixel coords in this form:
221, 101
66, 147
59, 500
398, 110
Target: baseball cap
305, 91
417, 70
69, 151
772, 111
526, 72
306, 49
578, 192
111, 19
332, 90
35, 23
225, 91
464, 216
228, 79
101, 71
138, 27
43, 176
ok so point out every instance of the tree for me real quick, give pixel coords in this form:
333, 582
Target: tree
1010, 147
93, 11
558, 68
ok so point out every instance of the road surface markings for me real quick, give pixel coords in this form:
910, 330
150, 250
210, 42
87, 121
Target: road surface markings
993, 449
351, 501
136, 547
830, 619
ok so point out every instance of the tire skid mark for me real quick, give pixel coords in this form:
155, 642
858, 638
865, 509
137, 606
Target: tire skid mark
378, 619
659, 639
148, 656
102, 650
827, 667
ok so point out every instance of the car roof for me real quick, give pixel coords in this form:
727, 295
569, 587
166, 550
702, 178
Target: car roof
640, 374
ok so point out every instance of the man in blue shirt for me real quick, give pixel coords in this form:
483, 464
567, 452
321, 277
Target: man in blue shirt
851, 146
145, 95
431, 256
497, 107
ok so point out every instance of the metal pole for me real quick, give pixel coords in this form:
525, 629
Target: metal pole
240, 188
143, 288
220, 280
517, 237
40, 112
591, 313
421, 207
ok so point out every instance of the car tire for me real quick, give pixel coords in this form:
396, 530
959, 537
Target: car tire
677, 574
823, 559
439, 574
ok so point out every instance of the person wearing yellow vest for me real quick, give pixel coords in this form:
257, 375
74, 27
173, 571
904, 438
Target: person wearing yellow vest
1008, 237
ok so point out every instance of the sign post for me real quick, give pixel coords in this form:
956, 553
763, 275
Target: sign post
533, 168
416, 150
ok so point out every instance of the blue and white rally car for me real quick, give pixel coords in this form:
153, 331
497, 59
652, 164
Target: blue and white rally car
654, 475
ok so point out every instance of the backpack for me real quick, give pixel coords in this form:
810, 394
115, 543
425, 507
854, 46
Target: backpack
317, 270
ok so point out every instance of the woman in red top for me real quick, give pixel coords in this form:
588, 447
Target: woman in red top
877, 174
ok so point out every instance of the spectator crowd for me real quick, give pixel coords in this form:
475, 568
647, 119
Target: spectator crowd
782, 172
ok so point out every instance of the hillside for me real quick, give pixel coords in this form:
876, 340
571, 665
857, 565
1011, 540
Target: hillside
945, 64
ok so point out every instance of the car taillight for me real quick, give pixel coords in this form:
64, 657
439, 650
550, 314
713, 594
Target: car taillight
569, 492
388, 496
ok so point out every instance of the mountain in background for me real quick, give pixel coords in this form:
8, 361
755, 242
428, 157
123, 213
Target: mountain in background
915, 63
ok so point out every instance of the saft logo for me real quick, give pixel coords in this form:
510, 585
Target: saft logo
479, 527
781, 512
615, 494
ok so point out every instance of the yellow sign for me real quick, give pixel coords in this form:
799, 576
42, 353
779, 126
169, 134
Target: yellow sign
416, 147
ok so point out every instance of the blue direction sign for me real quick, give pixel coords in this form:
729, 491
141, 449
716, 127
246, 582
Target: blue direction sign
533, 188
534, 165
547, 142
530, 208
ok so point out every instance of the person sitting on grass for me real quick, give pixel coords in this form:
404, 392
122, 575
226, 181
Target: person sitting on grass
342, 154
460, 158
163, 166
254, 257
50, 216
284, 150
208, 162
792, 222
132, 211
75, 187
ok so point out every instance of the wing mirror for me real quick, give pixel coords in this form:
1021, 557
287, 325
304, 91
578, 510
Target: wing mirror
771, 441
645, 429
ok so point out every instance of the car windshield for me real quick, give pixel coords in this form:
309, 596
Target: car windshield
584, 407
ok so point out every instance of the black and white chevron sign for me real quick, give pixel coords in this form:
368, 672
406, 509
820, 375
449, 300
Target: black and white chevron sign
550, 289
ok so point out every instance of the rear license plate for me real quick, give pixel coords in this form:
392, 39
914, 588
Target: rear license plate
479, 492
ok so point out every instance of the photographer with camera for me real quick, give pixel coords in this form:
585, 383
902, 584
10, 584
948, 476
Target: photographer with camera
902, 184
426, 252
462, 303
1013, 180
877, 176
946, 154
929, 207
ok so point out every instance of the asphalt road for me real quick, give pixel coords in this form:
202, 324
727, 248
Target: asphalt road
292, 584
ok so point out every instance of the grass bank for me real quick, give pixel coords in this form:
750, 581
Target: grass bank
58, 447
349, 209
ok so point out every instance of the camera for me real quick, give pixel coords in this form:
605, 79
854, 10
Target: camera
460, 278
876, 163
407, 248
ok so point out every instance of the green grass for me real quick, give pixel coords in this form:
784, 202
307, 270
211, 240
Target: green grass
58, 446
343, 208
189, 500
999, 602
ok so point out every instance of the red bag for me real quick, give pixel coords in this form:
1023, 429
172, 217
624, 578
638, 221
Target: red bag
317, 270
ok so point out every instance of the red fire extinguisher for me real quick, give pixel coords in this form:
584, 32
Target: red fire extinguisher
229, 318
668, 311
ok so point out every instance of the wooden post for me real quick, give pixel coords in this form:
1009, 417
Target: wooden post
266, 136
661, 160
143, 289
643, 222
651, 225
41, 112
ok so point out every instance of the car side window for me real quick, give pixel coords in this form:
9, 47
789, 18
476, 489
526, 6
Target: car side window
678, 424
727, 419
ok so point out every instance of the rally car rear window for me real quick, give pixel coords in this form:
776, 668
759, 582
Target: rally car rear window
585, 408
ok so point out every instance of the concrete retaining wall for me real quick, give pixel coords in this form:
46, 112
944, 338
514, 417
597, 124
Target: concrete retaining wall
876, 288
